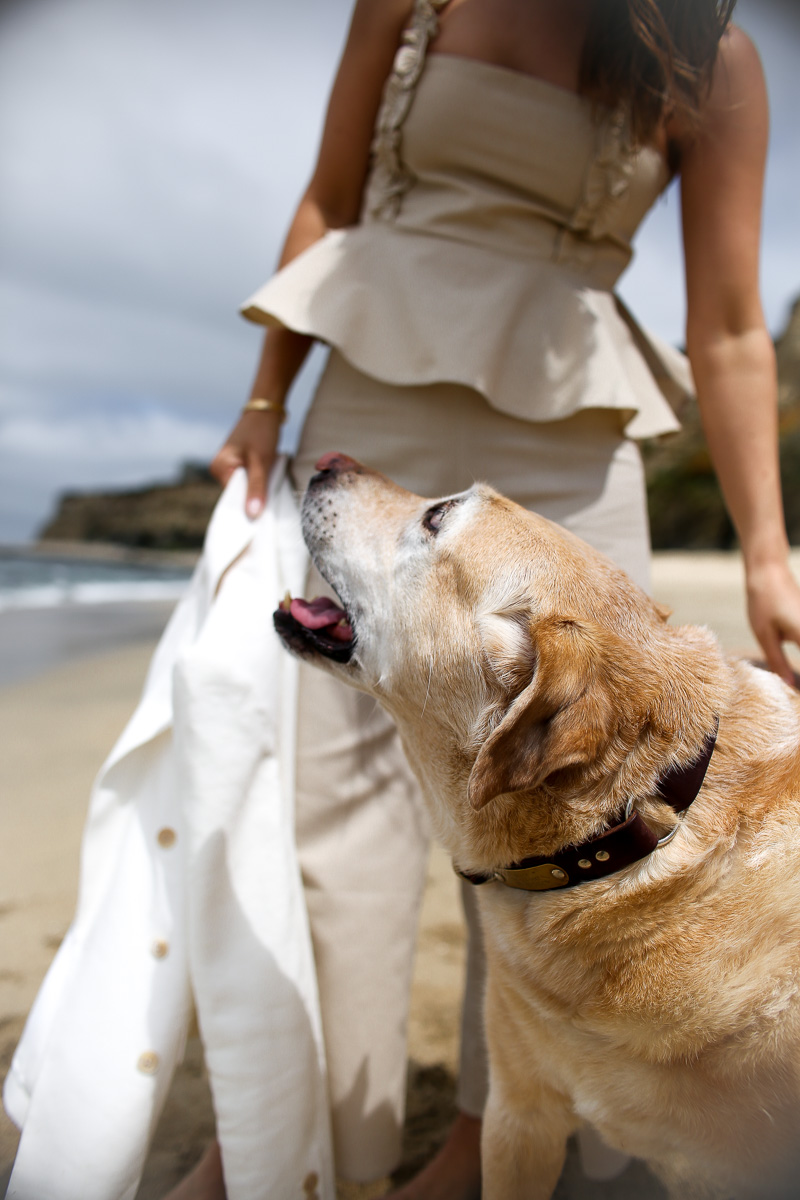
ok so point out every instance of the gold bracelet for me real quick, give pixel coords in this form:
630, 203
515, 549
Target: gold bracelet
259, 405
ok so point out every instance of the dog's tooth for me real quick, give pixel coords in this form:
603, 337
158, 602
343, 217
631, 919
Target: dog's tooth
286, 602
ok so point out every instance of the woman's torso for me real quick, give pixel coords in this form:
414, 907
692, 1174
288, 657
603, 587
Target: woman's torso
497, 219
503, 159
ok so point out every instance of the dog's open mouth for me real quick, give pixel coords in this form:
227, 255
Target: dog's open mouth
319, 626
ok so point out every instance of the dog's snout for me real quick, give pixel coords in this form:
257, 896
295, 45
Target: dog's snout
332, 465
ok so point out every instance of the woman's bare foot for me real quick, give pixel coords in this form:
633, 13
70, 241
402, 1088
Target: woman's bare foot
205, 1181
455, 1172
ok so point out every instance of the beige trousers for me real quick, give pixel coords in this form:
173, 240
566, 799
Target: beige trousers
362, 833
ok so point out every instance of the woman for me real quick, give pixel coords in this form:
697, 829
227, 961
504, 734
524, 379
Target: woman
461, 266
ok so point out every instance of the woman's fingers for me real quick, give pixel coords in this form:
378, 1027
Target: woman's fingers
774, 611
776, 658
225, 462
256, 484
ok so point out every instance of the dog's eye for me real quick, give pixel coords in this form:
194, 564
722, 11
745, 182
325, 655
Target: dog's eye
433, 517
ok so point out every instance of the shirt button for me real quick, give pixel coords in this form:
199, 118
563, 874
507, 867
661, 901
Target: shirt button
160, 948
166, 837
148, 1062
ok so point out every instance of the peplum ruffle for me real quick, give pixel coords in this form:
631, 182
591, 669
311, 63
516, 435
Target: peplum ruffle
531, 336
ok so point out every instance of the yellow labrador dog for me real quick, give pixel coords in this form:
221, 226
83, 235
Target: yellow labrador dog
638, 871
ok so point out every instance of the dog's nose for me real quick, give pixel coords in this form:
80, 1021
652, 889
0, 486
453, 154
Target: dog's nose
334, 463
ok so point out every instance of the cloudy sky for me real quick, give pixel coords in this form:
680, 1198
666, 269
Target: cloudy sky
151, 152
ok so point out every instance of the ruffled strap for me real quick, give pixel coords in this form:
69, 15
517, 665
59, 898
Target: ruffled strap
391, 178
608, 179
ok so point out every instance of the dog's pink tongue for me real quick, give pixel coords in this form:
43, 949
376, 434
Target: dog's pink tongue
322, 613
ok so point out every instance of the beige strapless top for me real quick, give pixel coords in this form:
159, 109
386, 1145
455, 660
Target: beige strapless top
490, 241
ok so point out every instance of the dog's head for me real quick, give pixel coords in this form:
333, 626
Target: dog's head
513, 657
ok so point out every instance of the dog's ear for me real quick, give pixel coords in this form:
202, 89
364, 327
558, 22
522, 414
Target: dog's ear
561, 719
663, 611
508, 646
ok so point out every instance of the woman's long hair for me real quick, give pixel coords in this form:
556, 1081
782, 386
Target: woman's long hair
655, 57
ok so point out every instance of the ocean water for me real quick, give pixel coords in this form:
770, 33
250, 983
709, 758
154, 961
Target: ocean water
34, 581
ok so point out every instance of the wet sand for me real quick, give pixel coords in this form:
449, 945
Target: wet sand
58, 725
34, 640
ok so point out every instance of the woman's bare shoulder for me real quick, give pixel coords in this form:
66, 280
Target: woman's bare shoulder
737, 97
375, 30
738, 74
337, 182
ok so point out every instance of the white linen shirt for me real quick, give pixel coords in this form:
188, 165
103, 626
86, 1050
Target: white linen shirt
190, 889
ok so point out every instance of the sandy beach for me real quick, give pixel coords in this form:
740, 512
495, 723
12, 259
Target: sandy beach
71, 679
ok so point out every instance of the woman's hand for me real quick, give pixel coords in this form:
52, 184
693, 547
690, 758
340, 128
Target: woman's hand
251, 444
773, 606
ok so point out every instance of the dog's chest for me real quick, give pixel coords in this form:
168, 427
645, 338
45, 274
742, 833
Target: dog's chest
665, 981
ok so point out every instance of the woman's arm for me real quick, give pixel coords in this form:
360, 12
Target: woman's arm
729, 346
331, 201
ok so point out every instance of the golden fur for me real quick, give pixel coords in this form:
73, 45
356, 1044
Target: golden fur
536, 689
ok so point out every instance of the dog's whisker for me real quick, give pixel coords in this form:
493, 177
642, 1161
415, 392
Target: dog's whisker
428, 689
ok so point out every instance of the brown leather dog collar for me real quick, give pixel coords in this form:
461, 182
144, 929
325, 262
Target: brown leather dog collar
620, 846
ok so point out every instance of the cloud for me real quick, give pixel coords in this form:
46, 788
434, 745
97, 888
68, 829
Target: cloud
146, 181
142, 137
94, 352
110, 448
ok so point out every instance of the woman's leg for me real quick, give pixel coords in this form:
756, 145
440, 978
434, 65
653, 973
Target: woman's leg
205, 1181
362, 842
361, 830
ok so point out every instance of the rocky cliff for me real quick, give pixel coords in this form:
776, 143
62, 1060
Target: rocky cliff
164, 516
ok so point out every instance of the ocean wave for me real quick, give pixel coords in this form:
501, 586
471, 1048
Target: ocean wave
63, 594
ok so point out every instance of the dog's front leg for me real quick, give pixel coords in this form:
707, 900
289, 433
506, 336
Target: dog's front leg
522, 1153
527, 1121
